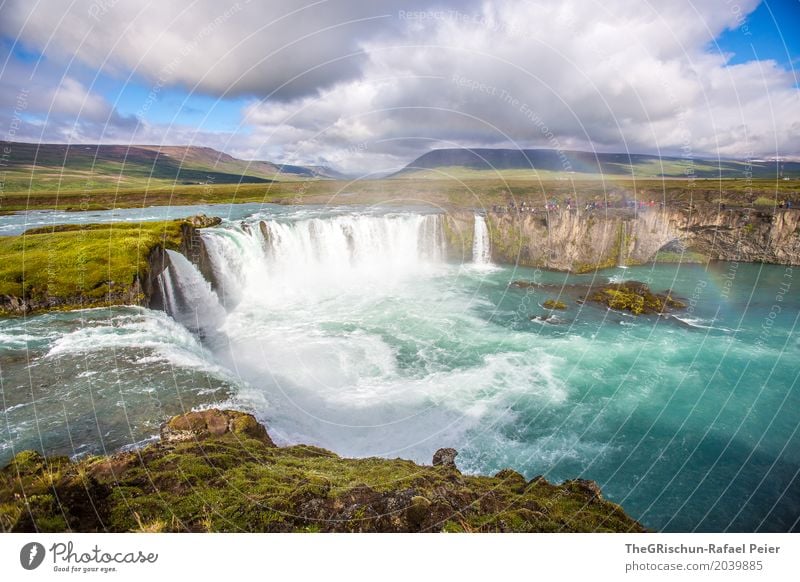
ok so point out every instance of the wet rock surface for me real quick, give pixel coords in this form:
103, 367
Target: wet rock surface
633, 297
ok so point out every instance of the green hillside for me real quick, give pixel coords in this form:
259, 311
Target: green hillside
56, 167
546, 164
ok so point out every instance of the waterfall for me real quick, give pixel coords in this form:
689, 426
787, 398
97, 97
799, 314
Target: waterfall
237, 255
167, 288
623, 247
481, 247
288, 261
188, 297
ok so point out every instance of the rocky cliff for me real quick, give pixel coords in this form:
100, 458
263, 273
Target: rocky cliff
191, 245
94, 265
218, 470
588, 240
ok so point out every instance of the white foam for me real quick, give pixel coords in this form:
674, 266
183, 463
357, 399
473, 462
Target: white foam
17, 407
349, 331
189, 297
699, 323
481, 246
312, 259
141, 328
151, 335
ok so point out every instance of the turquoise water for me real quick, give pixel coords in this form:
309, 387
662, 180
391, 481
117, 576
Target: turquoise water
689, 428
690, 424
98, 380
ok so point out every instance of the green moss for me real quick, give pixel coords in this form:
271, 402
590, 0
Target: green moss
82, 266
508, 241
28, 461
686, 257
633, 297
226, 483
582, 268
554, 304
622, 301
764, 201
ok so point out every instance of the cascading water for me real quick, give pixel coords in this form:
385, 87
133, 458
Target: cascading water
275, 262
341, 325
188, 297
623, 246
348, 330
481, 247
167, 288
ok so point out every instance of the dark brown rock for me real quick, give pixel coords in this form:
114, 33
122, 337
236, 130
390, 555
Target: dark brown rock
418, 511
445, 458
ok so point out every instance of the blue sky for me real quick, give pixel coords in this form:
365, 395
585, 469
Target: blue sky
368, 86
133, 96
770, 32
174, 105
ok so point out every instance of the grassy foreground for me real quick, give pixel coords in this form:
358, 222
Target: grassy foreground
219, 471
74, 266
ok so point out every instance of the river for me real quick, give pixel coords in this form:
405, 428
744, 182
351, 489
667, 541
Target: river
351, 329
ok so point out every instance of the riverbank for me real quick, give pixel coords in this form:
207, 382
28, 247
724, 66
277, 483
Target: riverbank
219, 471
79, 266
74, 266
350, 331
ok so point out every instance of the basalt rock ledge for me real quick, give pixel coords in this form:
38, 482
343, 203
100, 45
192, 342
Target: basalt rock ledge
581, 241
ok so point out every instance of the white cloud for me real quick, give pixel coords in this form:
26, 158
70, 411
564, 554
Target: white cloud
615, 75
71, 97
281, 47
372, 93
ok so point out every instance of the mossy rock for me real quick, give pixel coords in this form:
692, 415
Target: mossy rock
199, 425
633, 297
80, 266
512, 479
203, 221
554, 304
229, 477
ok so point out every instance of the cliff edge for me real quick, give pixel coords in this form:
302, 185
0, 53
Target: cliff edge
582, 241
77, 266
218, 470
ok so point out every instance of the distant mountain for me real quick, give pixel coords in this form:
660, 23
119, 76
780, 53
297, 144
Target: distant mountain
547, 162
85, 166
326, 172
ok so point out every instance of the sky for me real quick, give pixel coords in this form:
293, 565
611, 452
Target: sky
369, 86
